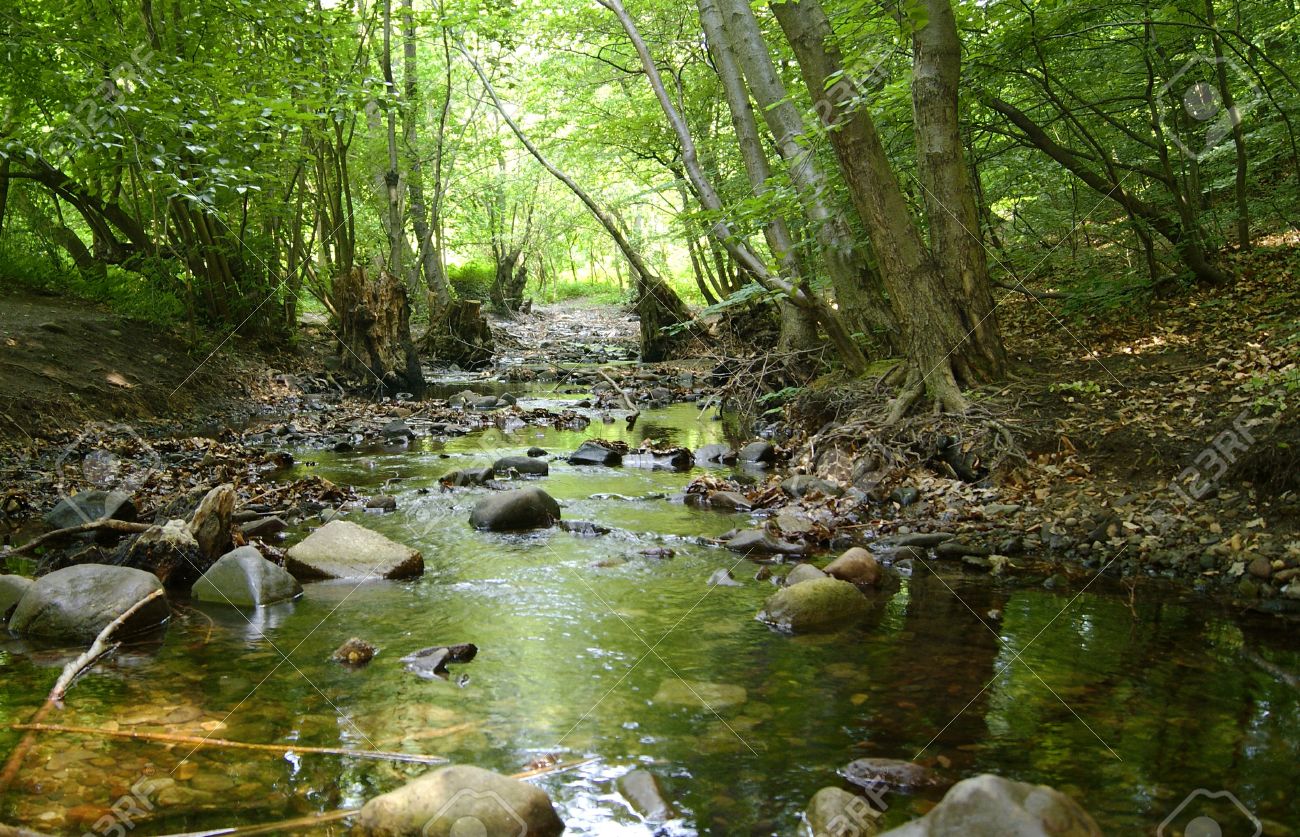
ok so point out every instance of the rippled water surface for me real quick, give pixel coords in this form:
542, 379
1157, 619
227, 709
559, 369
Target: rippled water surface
1128, 705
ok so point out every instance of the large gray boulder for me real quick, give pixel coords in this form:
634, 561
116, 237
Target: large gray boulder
523, 464
460, 800
834, 811
991, 806
591, 453
12, 588
822, 604
523, 508
76, 603
341, 549
759, 542
242, 577
86, 506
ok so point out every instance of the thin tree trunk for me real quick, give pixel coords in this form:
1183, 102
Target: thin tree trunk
657, 304
430, 263
392, 179
4, 191
1238, 134
839, 335
858, 286
795, 333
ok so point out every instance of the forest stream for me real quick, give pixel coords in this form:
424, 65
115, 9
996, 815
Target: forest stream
608, 652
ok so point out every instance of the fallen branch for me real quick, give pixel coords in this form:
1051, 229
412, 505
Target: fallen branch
271, 827
631, 420
223, 743
71, 671
93, 526
97, 649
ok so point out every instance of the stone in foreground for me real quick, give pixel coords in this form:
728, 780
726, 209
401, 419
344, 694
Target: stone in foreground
242, 577
76, 603
822, 604
857, 566
642, 791
836, 811
990, 806
523, 508
341, 549
12, 589
460, 800
86, 506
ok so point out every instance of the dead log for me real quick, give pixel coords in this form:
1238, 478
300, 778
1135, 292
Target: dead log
461, 336
102, 524
375, 330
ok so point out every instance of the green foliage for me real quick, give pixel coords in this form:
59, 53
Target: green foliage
472, 280
127, 292
1273, 391
773, 403
1078, 388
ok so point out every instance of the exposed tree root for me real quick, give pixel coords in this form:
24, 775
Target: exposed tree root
93, 526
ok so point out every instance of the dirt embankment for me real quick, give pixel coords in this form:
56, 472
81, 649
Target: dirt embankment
64, 362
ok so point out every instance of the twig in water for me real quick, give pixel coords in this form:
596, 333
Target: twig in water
200, 741
97, 649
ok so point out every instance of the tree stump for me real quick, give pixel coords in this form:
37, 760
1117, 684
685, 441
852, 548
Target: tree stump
659, 308
462, 336
375, 328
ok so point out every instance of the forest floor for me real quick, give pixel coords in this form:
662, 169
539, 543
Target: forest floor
1163, 439
1159, 441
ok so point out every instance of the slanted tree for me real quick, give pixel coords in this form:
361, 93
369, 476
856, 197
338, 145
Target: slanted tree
850, 353
659, 308
944, 308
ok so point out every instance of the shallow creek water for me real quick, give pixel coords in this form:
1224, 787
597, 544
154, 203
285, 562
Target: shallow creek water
1127, 705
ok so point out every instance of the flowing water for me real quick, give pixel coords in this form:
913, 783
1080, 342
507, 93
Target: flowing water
1127, 704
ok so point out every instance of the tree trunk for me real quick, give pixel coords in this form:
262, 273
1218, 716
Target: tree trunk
375, 330
939, 336
949, 196
461, 336
858, 285
796, 334
392, 178
4, 191
430, 263
849, 352
1238, 134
